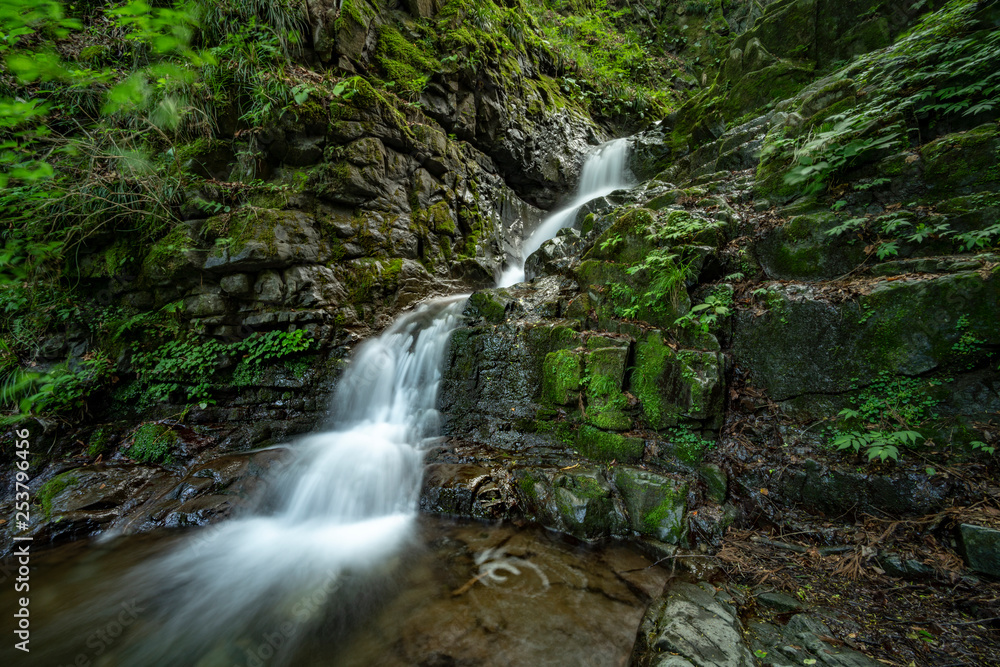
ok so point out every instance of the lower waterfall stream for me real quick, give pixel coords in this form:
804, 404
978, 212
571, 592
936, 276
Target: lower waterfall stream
336, 567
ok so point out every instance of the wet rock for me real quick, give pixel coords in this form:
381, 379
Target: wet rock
312, 287
268, 238
269, 288
895, 565
236, 284
691, 626
580, 502
558, 256
205, 305
799, 643
839, 492
981, 547
716, 482
679, 385
806, 344
656, 504
802, 250
779, 602
455, 489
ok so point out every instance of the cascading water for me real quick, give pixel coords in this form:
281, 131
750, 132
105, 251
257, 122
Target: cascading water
604, 171
341, 508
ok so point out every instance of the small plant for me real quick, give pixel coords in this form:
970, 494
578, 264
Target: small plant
192, 367
980, 446
968, 348
688, 445
878, 444
705, 316
885, 416
152, 443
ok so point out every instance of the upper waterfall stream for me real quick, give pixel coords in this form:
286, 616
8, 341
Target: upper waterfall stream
605, 170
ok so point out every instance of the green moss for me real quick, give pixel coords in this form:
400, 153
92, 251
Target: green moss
687, 446
52, 488
625, 241
98, 442
368, 277
167, 255
562, 372
653, 360
437, 217
527, 486
563, 431
656, 504
605, 374
152, 443
487, 306
402, 62
662, 516
963, 161
603, 446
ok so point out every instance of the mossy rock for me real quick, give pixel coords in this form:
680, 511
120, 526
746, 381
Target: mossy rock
172, 258
585, 505
656, 505
580, 502
254, 239
673, 385
561, 376
625, 241
804, 344
604, 446
963, 162
152, 443
755, 90
488, 305
52, 488
801, 249
605, 376
716, 482
618, 287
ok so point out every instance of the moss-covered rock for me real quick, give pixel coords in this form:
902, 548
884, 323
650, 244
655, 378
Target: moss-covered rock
604, 446
152, 443
580, 502
605, 375
625, 241
805, 344
802, 249
676, 385
656, 505
51, 489
963, 162
562, 373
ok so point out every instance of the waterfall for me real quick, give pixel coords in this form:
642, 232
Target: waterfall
604, 171
344, 505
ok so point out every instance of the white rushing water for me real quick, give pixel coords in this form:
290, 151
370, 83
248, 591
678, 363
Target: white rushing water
604, 171
343, 507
